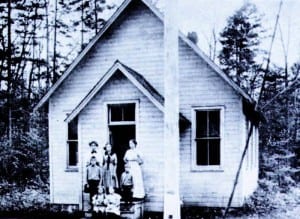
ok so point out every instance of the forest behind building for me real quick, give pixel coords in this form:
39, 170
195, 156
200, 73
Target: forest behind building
39, 40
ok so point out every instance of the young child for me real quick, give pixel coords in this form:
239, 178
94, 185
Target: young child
126, 184
98, 203
93, 177
112, 201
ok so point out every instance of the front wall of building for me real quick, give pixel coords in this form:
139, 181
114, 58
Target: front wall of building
136, 39
149, 131
65, 186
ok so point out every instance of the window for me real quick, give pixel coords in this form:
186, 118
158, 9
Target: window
72, 155
121, 113
207, 137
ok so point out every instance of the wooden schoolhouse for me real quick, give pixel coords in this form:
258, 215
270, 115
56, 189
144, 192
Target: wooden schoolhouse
114, 91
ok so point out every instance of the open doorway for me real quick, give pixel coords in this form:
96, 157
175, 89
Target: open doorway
122, 128
119, 138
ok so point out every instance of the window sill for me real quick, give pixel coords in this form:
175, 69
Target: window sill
71, 169
207, 169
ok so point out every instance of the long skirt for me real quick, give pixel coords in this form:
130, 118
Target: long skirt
110, 179
138, 184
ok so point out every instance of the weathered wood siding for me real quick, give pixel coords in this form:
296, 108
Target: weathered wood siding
64, 185
136, 39
249, 176
149, 131
200, 86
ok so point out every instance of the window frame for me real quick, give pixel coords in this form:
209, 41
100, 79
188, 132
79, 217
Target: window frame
106, 119
111, 123
194, 166
72, 168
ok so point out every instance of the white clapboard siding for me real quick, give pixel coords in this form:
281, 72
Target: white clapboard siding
136, 39
149, 134
250, 166
200, 86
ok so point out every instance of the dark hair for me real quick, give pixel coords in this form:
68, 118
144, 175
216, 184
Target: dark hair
134, 141
105, 147
93, 143
107, 143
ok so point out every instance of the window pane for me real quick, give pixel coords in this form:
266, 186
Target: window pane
201, 124
202, 152
73, 151
214, 123
122, 112
72, 129
214, 152
115, 113
129, 112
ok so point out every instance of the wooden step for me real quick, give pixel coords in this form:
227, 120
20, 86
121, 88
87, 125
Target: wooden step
135, 210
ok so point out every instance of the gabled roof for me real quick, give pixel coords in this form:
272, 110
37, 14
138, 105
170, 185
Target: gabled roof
138, 80
113, 18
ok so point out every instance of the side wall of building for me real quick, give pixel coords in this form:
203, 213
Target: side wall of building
201, 87
249, 175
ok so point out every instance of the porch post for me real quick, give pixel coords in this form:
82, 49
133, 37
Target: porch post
171, 113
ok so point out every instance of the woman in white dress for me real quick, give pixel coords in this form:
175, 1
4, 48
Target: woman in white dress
133, 158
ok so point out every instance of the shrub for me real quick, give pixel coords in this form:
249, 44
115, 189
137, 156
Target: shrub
28, 199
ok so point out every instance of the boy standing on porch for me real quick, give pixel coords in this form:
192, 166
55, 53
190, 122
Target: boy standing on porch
126, 184
94, 178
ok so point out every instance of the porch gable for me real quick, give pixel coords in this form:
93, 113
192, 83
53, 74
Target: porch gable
137, 79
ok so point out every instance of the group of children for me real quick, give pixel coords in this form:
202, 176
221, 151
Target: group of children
106, 205
102, 181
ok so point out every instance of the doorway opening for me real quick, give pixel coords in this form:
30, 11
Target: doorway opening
119, 138
122, 128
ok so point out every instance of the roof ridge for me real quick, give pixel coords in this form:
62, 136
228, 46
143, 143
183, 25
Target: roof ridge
159, 15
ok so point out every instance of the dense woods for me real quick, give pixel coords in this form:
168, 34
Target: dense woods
276, 90
40, 38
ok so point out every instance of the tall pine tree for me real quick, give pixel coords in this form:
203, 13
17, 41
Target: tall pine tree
240, 40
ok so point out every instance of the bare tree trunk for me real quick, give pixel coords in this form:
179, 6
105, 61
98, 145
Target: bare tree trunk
2, 58
82, 24
39, 66
9, 73
214, 49
270, 53
48, 76
171, 113
23, 52
96, 17
54, 43
286, 82
33, 63
236, 180
252, 125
